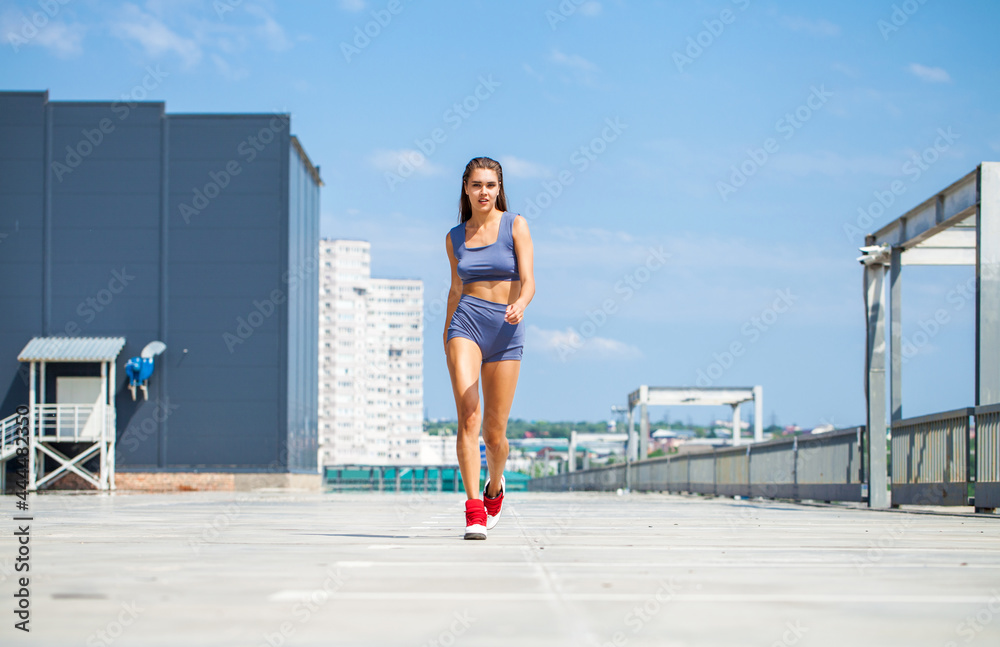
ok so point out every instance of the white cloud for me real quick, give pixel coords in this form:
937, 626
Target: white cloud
574, 61
61, 39
580, 69
514, 167
228, 71
532, 73
570, 343
154, 36
181, 28
929, 74
812, 27
404, 161
269, 30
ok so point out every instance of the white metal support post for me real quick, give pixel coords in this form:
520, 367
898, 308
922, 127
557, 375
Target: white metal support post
644, 421
737, 425
571, 454
101, 410
32, 459
988, 285
758, 413
878, 495
633, 450
896, 334
41, 383
112, 425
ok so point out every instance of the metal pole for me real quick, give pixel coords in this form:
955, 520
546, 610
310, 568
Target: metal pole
878, 494
633, 450
644, 421
112, 426
32, 463
572, 451
102, 410
795, 467
758, 413
988, 285
896, 334
737, 429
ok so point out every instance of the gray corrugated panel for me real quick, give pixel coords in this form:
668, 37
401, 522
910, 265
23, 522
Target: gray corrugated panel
72, 349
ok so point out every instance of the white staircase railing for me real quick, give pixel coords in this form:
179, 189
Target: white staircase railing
8, 432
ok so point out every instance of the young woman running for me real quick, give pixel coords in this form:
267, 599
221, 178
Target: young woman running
492, 282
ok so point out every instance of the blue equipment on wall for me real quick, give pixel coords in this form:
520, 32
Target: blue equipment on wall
138, 369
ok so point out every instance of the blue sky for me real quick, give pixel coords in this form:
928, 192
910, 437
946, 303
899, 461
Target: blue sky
622, 128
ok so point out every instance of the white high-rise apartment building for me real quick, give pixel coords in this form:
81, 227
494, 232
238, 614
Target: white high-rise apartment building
371, 361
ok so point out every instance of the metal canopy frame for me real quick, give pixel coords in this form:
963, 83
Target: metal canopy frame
957, 226
645, 396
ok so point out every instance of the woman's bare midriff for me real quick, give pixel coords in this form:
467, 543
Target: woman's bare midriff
495, 291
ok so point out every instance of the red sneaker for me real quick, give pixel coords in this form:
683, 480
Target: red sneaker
493, 506
475, 519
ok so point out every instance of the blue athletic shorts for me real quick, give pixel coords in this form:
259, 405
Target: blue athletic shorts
483, 322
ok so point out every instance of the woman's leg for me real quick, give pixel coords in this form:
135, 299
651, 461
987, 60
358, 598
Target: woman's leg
464, 361
499, 383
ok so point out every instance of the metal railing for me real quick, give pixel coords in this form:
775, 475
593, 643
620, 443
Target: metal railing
8, 432
828, 467
988, 456
930, 459
404, 478
601, 479
70, 422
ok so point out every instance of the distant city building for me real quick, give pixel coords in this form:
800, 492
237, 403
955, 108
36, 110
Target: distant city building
728, 424
438, 450
371, 361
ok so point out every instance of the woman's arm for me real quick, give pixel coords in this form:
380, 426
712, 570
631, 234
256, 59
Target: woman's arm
455, 293
526, 267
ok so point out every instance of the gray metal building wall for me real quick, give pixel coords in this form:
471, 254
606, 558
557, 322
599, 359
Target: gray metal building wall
194, 225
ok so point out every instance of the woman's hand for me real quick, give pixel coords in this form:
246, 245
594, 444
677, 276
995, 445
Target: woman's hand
514, 314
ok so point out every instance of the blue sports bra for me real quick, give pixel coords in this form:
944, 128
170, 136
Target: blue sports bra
494, 262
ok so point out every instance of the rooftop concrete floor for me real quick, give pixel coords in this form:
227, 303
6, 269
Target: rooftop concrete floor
286, 568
